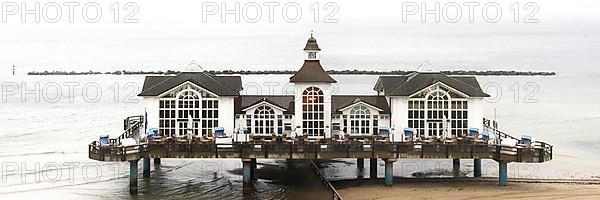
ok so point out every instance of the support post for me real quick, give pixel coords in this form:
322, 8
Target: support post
373, 168
247, 171
455, 167
389, 172
477, 167
502, 173
253, 168
156, 161
133, 177
360, 163
146, 164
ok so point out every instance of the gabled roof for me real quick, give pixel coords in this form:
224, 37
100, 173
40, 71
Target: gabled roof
341, 101
409, 84
219, 85
283, 101
312, 71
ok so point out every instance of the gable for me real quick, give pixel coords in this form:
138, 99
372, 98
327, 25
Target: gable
244, 102
357, 103
172, 93
439, 85
340, 102
264, 102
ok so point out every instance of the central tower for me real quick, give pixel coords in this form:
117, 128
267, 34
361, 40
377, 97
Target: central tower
312, 95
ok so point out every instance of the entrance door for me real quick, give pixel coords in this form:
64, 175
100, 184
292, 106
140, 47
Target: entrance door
183, 128
435, 129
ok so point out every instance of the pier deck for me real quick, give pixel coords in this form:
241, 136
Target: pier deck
536, 154
390, 152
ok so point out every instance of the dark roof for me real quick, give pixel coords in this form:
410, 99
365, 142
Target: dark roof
311, 44
312, 71
220, 85
340, 101
284, 101
409, 84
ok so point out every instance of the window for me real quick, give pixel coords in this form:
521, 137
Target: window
177, 108
264, 120
416, 115
335, 126
459, 117
360, 120
437, 111
313, 112
167, 117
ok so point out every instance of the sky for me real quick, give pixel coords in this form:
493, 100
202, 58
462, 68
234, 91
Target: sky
378, 35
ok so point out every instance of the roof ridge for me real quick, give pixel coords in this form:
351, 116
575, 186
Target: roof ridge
213, 78
170, 77
405, 81
466, 83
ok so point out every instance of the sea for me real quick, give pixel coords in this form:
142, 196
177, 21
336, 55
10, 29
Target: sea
48, 122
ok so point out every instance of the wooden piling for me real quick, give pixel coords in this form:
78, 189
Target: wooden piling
477, 167
133, 177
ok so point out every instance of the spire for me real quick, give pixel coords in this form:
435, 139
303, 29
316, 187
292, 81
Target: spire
312, 48
311, 70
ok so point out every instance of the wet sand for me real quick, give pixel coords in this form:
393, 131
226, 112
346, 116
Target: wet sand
473, 190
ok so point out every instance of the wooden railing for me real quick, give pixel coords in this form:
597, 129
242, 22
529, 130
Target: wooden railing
543, 149
113, 150
536, 152
311, 151
334, 194
131, 125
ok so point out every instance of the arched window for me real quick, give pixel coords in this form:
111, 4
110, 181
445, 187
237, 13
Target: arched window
360, 120
313, 112
178, 107
188, 104
264, 120
435, 112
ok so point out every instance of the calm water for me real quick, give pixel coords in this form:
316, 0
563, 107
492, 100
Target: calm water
54, 135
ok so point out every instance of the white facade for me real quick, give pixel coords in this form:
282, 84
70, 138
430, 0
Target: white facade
299, 118
434, 109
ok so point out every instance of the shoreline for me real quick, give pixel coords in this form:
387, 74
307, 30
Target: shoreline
468, 188
349, 183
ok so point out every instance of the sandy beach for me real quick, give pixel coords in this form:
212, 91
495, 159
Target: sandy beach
473, 190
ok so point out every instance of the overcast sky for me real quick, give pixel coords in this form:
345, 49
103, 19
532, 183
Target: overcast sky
361, 34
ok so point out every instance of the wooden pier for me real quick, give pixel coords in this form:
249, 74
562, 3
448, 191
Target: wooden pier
389, 152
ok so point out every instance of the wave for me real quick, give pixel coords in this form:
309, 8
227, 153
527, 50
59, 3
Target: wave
16, 135
35, 153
